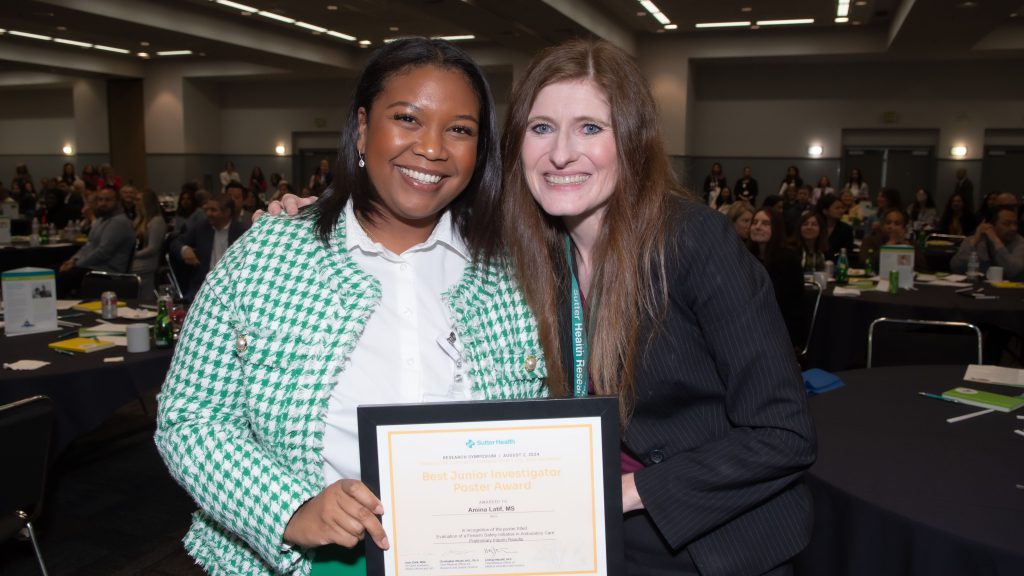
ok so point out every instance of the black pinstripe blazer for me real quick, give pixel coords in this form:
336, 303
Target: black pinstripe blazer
721, 419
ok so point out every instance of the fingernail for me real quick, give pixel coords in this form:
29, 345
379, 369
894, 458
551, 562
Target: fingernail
384, 543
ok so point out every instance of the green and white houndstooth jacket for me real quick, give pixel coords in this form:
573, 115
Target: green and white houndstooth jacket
242, 411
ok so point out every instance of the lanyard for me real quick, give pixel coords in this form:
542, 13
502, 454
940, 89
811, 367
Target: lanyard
579, 332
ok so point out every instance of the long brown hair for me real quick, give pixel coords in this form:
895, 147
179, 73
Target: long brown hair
629, 282
147, 207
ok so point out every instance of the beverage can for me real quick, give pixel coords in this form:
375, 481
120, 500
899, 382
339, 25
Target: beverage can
830, 268
894, 281
108, 305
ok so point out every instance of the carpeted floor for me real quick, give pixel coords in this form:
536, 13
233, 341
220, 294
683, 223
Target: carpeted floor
111, 508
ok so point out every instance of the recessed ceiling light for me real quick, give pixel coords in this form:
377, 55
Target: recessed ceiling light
340, 35
364, 42
143, 54
174, 53
785, 22
861, 3
642, 13
747, 9
29, 35
237, 6
671, 26
72, 42
277, 17
855, 22
143, 43
312, 27
62, 28
332, 7
968, 4
456, 38
1013, 15
842, 20
2, 31
111, 49
722, 24
393, 28
755, 27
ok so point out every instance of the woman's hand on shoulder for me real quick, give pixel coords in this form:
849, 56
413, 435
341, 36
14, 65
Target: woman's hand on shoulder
342, 514
290, 204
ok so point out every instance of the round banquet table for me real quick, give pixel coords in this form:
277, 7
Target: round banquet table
841, 333
49, 256
85, 390
899, 491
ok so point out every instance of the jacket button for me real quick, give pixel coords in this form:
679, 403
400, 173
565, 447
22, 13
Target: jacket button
241, 343
531, 363
656, 456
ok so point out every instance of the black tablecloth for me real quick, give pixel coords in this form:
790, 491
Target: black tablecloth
50, 256
899, 491
841, 333
84, 389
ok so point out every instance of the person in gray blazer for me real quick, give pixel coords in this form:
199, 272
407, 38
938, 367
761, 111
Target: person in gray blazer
109, 247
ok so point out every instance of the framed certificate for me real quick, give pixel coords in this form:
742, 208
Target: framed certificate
499, 487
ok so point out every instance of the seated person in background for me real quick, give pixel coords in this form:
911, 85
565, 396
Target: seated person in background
893, 232
957, 219
741, 213
53, 210
812, 241
839, 233
201, 247
187, 206
109, 248
997, 242
129, 196
237, 193
795, 209
150, 229
923, 214
767, 243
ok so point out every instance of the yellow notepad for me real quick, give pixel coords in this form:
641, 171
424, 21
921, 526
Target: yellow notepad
83, 345
94, 306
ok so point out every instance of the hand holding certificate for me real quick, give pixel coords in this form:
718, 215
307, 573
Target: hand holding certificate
527, 487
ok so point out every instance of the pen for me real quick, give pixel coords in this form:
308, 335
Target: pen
938, 397
67, 334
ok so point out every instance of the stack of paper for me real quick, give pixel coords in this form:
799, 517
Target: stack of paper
995, 375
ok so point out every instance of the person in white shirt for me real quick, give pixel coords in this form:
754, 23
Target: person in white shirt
228, 176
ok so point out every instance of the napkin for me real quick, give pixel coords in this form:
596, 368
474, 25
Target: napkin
134, 314
25, 365
818, 381
841, 291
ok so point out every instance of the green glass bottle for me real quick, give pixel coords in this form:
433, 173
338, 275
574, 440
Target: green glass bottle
842, 268
869, 263
163, 328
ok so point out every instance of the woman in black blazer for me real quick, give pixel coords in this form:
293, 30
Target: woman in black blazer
768, 244
680, 318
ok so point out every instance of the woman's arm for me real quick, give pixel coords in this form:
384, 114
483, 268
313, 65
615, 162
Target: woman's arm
155, 232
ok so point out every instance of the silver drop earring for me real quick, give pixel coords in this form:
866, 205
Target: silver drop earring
362, 162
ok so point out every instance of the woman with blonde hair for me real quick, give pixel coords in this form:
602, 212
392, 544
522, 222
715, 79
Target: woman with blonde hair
150, 230
604, 243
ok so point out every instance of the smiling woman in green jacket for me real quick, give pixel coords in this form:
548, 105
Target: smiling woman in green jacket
305, 318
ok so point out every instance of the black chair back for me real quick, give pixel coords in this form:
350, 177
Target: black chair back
901, 342
96, 282
25, 430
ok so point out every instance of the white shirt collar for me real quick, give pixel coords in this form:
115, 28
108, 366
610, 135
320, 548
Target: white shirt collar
444, 233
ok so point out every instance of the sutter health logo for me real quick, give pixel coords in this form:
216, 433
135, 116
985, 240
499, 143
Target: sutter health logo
506, 442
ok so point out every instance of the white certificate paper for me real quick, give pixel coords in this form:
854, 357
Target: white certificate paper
517, 497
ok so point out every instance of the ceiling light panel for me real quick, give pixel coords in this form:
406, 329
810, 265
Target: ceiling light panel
28, 35
237, 6
111, 49
72, 42
312, 27
277, 17
789, 22
722, 24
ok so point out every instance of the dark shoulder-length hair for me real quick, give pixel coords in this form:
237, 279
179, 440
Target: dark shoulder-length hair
480, 197
628, 280
820, 244
776, 245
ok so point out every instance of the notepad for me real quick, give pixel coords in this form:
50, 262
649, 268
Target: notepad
81, 345
94, 306
995, 375
973, 397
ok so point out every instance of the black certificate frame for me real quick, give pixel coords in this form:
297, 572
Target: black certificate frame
606, 408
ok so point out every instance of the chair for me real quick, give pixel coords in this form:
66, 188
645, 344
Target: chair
905, 342
937, 256
172, 278
97, 282
810, 303
25, 428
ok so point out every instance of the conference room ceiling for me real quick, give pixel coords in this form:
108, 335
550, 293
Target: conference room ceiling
505, 32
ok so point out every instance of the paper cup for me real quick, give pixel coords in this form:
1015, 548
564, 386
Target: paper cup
138, 337
995, 273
